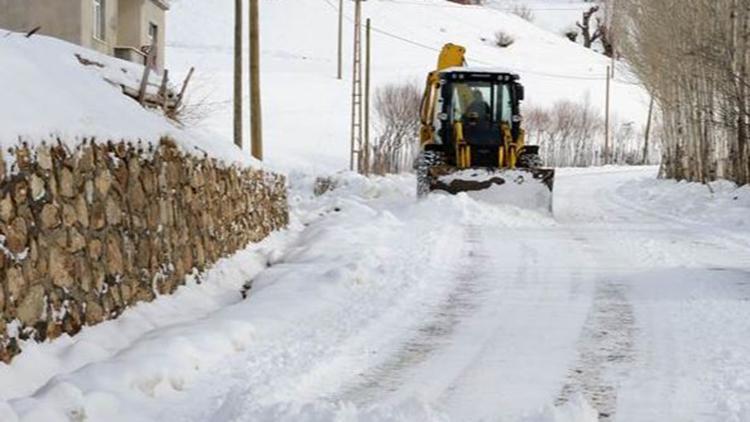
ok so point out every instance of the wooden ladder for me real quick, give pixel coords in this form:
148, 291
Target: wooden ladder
357, 102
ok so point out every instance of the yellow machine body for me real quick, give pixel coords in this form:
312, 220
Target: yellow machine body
457, 136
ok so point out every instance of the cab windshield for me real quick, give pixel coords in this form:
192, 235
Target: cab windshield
480, 101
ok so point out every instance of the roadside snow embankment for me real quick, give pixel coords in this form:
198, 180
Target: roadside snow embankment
721, 204
40, 362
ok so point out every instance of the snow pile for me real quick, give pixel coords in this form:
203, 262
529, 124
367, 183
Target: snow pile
530, 194
720, 204
48, 94
520, 188
217, 288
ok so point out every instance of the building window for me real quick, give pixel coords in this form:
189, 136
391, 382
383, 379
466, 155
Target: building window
153, 31
100, 19
153, 34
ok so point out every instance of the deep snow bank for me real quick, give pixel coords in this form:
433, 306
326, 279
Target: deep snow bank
200, 296
721, 204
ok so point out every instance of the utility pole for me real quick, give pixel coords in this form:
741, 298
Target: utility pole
341, 40
238, 73
648, 131
256, 113
610, 34
366, 157
607, 151
356, 128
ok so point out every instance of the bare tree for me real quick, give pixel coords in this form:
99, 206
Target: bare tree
606, 38
570, 135
523, 11
589, 37
694, 61
605, 28
396, 123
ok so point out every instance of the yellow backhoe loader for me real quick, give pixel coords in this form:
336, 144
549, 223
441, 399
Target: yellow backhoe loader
472, 139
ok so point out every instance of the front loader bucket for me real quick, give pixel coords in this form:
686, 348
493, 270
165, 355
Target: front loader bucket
525, 188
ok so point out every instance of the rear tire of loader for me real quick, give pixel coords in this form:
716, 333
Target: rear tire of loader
426, 160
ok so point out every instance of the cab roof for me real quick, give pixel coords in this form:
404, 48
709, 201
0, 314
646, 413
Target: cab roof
481, 72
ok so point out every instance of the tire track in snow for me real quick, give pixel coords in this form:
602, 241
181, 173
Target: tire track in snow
606, 346
606, 350
305, 361
428, 337
607, 341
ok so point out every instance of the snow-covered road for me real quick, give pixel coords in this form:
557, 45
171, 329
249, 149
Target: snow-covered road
378, 307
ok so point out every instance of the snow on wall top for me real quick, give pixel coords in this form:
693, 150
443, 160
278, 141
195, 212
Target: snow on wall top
47, 93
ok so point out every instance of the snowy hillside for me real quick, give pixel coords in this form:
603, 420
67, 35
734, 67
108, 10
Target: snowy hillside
306, 110
553, 15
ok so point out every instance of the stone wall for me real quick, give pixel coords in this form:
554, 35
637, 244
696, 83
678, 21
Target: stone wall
87, 233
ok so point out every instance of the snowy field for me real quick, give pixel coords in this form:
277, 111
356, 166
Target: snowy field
376, 307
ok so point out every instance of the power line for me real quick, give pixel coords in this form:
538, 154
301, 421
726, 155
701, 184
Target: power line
406, 40
482, 62
387, 34
475, 60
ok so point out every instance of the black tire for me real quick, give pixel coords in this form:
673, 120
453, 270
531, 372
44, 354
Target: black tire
530, 161
426, 160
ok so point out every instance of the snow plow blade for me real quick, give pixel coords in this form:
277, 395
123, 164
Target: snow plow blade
522, 187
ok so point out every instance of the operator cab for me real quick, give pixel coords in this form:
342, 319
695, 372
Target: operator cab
479, 107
